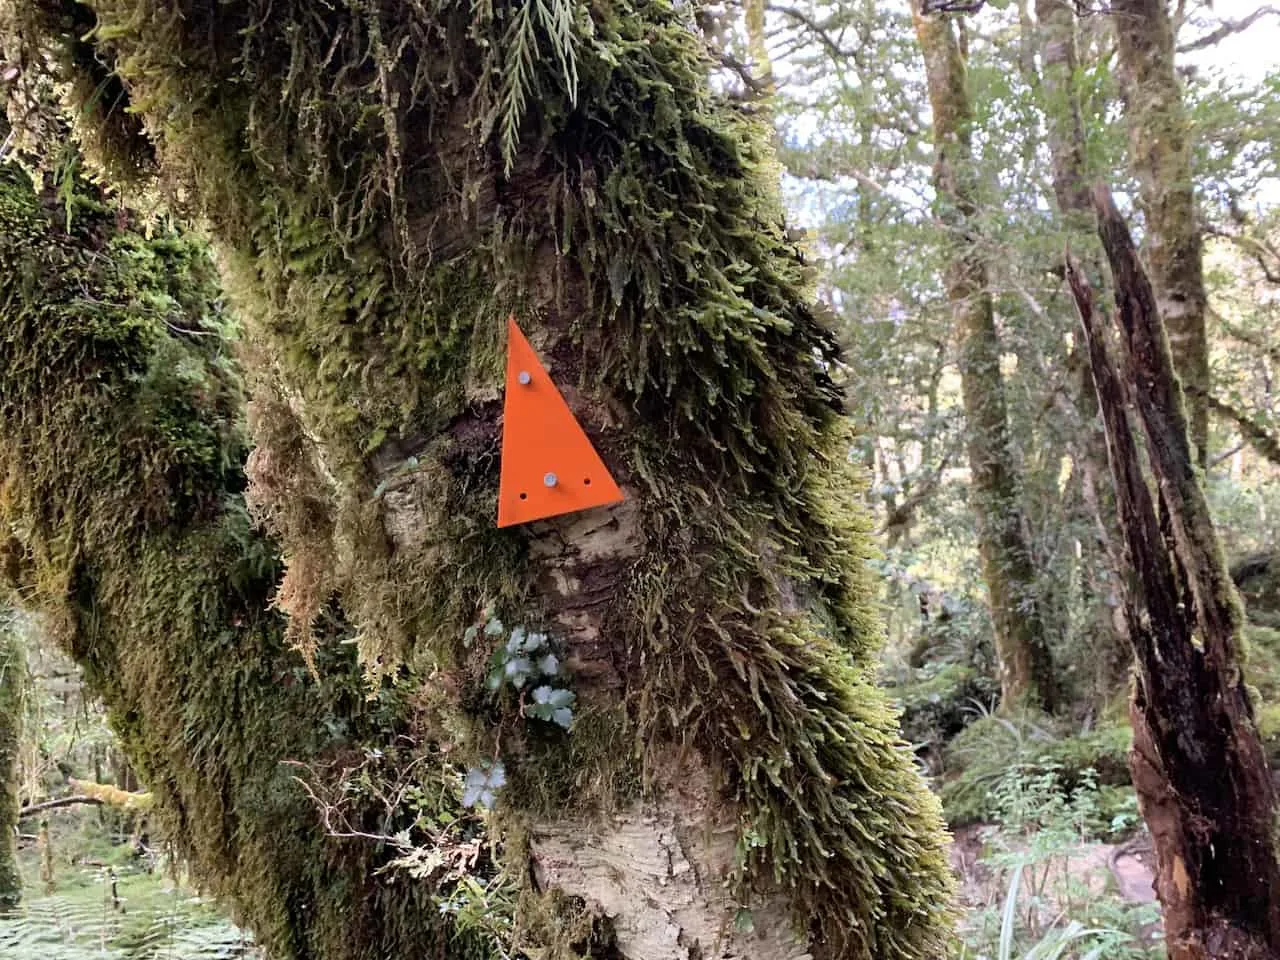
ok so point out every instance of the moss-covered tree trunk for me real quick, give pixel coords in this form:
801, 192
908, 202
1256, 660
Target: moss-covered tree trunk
12, 680
1198, 764
122, 521
386, 183
1058, 80
1160, 155
1007, 567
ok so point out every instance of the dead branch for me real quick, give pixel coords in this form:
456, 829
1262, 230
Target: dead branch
1228, 28
58, 803
1259, 437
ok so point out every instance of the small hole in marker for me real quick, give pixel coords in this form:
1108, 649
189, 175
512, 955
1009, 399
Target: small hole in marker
586, 482
524, 496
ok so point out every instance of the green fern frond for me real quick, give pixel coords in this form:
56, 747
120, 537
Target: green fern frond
83, 928
555, 18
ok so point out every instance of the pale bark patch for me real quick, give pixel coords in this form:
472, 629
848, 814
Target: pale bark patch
657, 873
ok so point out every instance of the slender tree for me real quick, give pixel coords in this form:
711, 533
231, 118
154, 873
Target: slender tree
1025, 665
12, 680
385, 184
1058, 79
1160, 155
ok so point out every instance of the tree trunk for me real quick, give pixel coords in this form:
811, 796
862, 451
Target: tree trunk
124, 523
1160, 154
1197, 764
12, 681
1058, 79
386, 184
1026, 670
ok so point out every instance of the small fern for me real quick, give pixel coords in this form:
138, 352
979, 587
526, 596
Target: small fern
555, 18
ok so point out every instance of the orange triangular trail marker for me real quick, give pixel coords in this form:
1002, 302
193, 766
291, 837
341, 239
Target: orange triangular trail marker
549, 467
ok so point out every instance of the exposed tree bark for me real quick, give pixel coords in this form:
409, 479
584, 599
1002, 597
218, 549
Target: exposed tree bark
1160, 154
382, 200
1026, 671
1198, 765
12, 681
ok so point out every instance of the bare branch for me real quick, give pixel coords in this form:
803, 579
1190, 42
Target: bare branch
900, 516
1259, 437
1261, 251
60, 802
820, 31
952, 6
1228, 28
758, 86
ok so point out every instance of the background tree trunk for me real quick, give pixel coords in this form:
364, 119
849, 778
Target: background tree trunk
1160, 154
1104, 565
12, 681
1197, 763
385, 187
1026, 670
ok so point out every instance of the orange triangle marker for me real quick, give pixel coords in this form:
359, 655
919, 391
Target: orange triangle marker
549, 467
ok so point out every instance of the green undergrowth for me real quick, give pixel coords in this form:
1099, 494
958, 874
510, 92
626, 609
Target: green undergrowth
940, 702
1041, 893
107, 903
993, 748
384, 185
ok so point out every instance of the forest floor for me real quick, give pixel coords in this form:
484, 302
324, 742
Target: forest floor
1096, 893
1124, 869
107, 901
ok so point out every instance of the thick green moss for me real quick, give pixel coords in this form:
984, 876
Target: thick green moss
381, 204
121, 507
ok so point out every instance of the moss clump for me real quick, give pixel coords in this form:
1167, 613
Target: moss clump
385, 185
121, 505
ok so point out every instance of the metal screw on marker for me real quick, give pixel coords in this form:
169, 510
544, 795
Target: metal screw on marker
550, 480
524, 378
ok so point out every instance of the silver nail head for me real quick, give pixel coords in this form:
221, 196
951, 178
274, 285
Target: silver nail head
550, 480
524, 378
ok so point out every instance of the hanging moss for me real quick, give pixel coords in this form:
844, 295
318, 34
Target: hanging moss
386, 182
